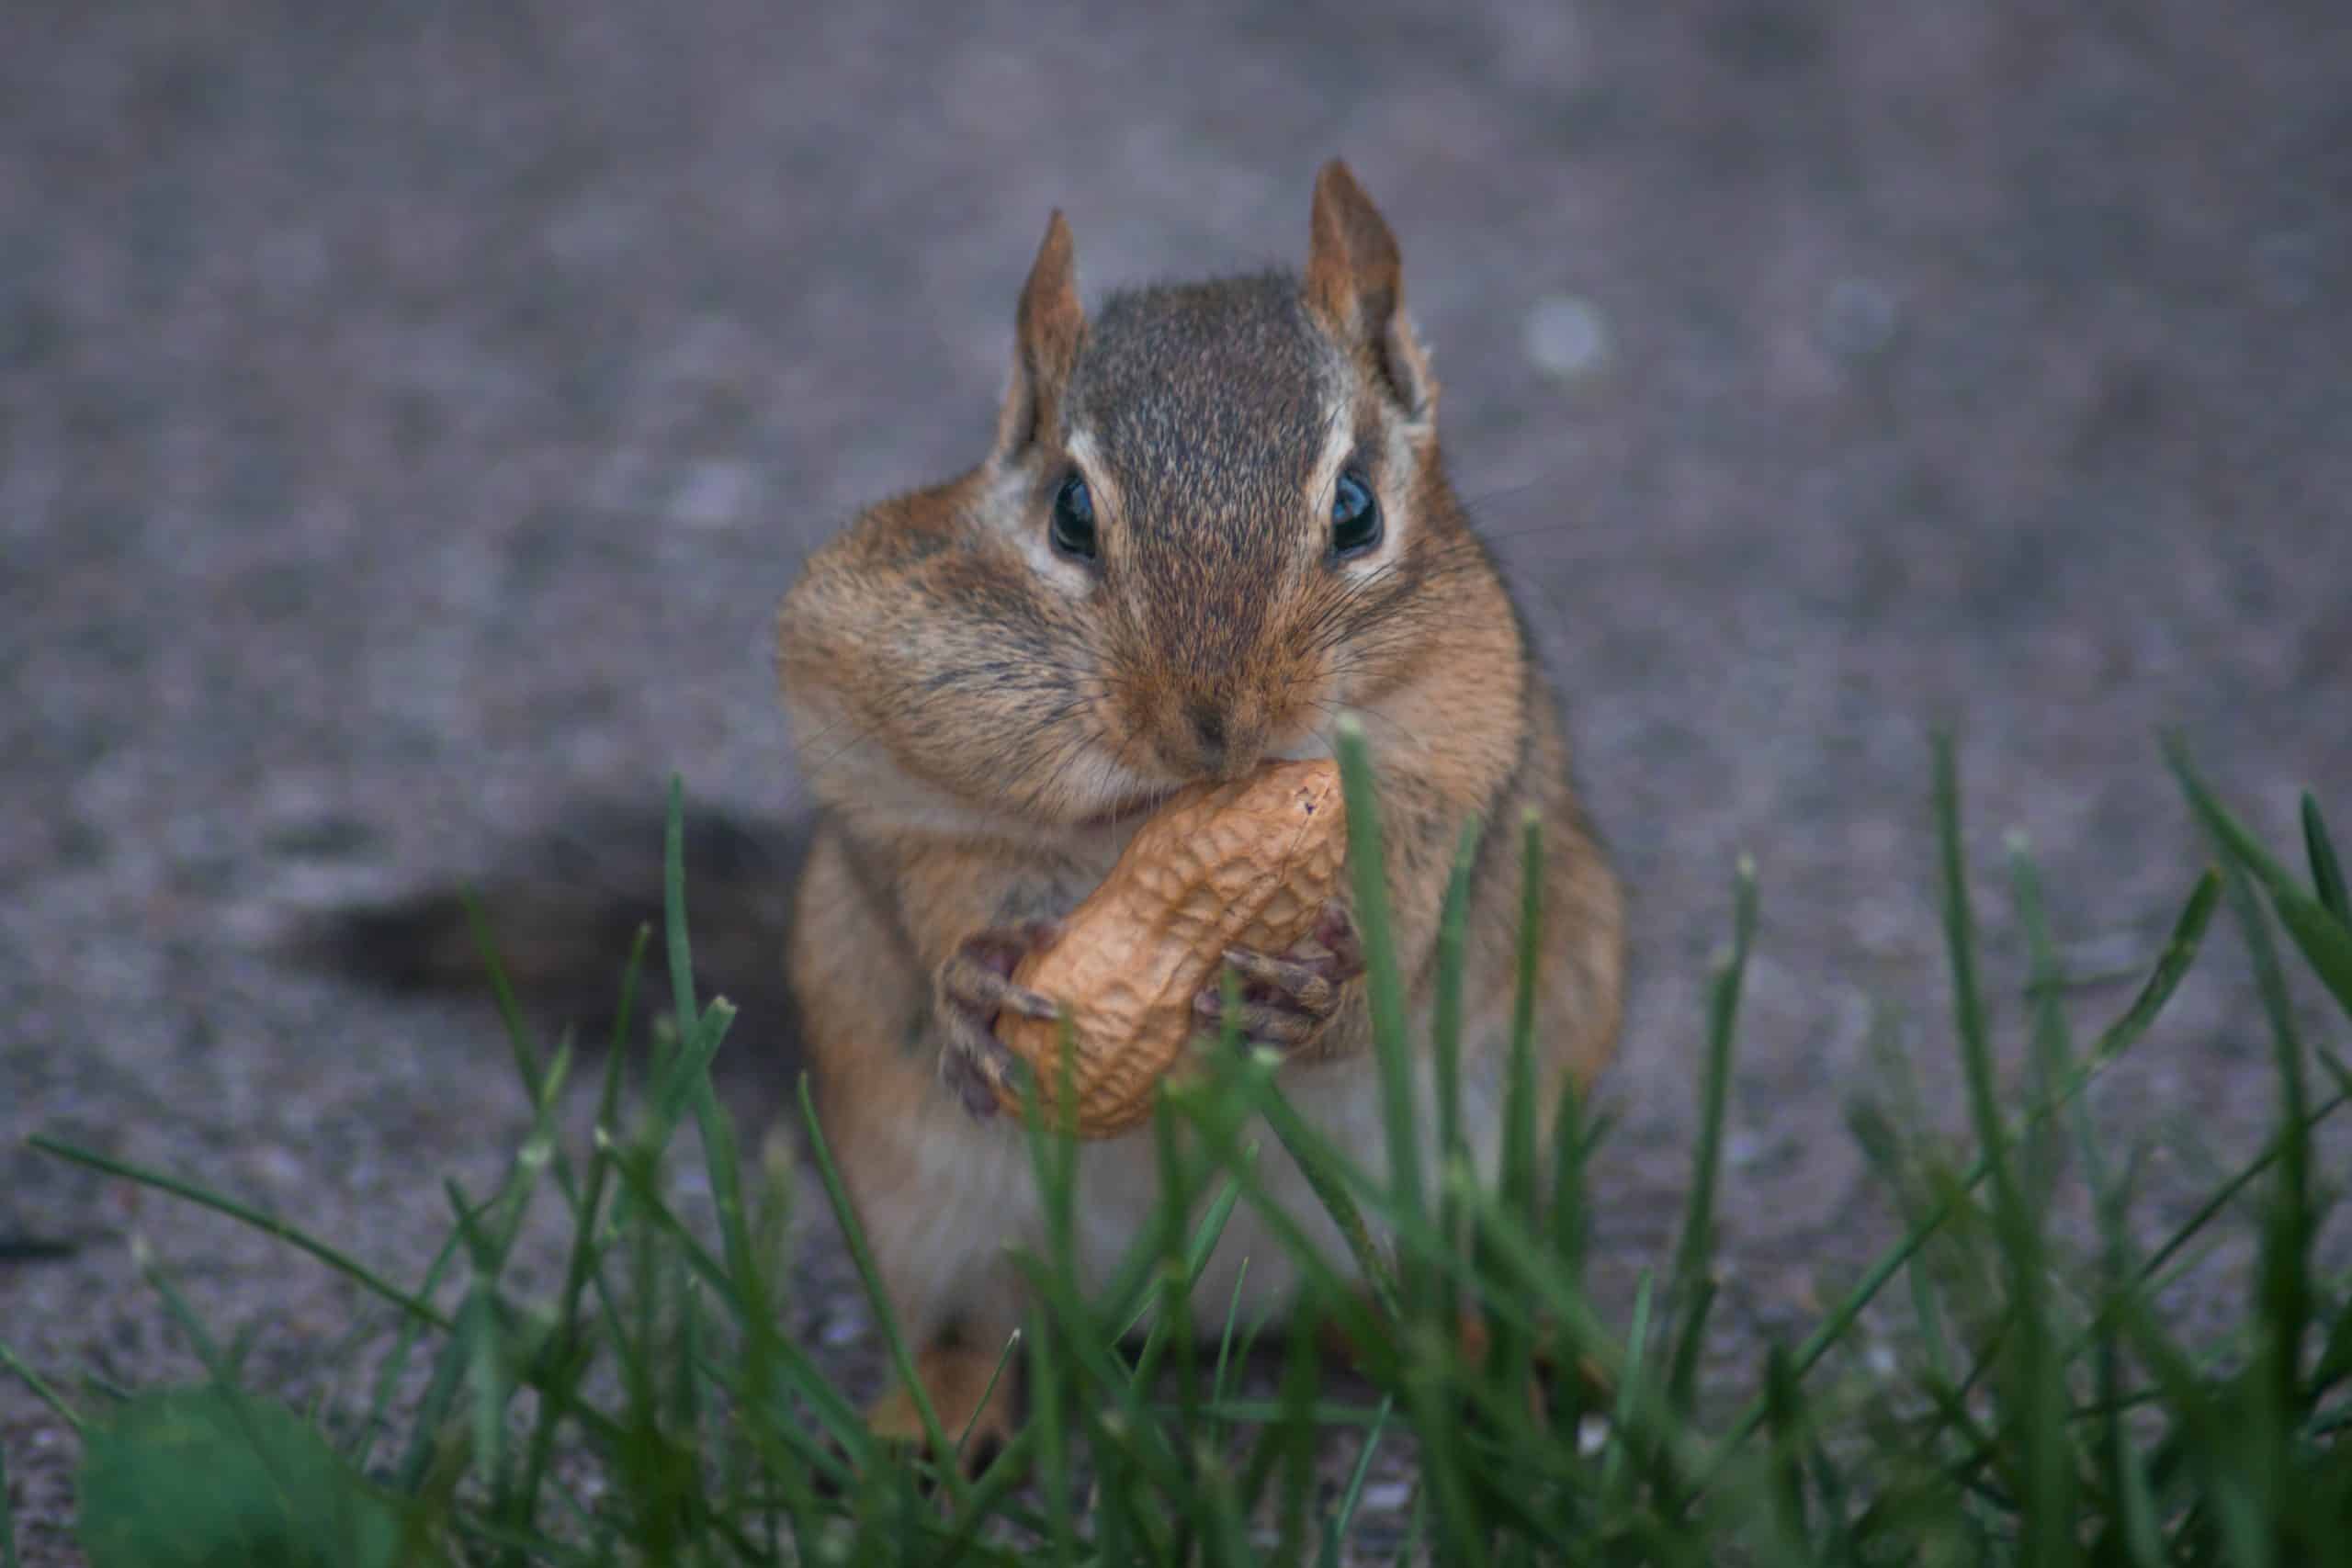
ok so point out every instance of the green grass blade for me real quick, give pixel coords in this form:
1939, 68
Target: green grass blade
1157, 1252
433, 1411
2328, 873
1445, 1039
2052, 1043
510, 1015
536, 1090
1048, 1410
1224, 1538
8, 1558
870, 1275
678, 949
2135, 1521
1682, 1368
341, 1262
1968, 1005
1319, 1163
1053, 1152
1518, 1183
10, 1362
2038, 1393
2137, 1516
1292, 1435
753, 1298
581, 1262
1116, 1524
1632, 1387
1367, 864
1344, 1519
1784, 1426
487, 1375
682, 1054
1180, 1268
1569, 1214
1417, 1528
2229, 1191
988, 1389
1509, 1353
2332, 1365
1691, 1292
1225, 1344
478, 1325
2285, 1292
404, 1345
1445, 1482
1209, 1232
2325, 941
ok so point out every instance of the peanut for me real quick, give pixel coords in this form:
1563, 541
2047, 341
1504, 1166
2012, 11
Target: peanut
1247, 865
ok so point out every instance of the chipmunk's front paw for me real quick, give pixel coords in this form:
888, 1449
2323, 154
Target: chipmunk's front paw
1286, 999
975, 985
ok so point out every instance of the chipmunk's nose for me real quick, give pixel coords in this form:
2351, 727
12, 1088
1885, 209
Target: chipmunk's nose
1208, 727
1226, 744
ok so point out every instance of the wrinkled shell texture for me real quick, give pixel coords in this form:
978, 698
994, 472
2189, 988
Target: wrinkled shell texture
1244, 865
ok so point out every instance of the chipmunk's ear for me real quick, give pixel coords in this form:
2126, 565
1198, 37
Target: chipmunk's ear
1048, 329
1355, 282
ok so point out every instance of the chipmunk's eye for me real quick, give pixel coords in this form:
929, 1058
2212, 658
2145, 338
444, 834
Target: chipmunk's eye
1074, 519
1355, 517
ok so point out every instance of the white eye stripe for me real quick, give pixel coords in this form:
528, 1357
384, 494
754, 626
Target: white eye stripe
1014, 504
1338, 445
1086, 456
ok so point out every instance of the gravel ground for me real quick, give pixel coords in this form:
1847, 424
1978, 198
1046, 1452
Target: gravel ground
408, 423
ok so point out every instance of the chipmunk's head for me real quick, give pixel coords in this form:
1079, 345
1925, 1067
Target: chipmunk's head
1228, 497
1212, 518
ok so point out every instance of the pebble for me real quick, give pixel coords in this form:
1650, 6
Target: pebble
1566, 336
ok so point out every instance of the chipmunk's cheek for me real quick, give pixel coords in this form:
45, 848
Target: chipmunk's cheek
1108, 781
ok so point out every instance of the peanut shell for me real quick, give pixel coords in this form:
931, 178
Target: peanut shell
1249, 865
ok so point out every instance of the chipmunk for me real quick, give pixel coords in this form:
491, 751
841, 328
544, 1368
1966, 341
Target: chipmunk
1215, 516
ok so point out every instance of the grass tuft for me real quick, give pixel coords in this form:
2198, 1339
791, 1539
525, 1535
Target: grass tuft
2044, 1408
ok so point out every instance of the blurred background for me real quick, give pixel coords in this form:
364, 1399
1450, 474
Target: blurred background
408, 416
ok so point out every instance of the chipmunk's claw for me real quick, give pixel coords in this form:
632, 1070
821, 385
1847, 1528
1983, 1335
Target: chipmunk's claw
975, 986
1287, 998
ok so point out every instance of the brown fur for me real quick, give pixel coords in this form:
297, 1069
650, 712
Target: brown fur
984, 723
